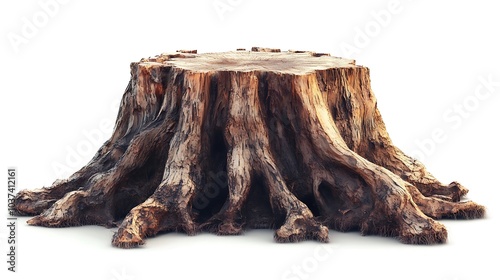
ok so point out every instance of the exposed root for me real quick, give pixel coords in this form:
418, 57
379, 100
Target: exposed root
300, 227
418, 229
142, 221
34, 202
62, 213
438, 208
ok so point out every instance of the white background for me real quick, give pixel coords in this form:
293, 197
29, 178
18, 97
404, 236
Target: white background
65, 80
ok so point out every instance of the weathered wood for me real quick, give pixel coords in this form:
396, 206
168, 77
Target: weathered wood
261, 139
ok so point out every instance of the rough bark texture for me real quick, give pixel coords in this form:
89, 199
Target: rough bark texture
261, 139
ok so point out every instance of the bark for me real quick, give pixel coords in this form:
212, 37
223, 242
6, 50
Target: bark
250, 139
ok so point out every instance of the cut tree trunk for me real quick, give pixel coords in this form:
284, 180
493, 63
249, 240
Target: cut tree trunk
250, 139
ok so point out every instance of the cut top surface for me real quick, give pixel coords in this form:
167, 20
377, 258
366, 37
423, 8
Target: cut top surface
246, 61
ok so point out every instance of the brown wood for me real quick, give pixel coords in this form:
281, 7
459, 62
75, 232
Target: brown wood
250, 139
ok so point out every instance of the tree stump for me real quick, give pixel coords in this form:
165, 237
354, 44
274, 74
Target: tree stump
221, 142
